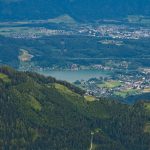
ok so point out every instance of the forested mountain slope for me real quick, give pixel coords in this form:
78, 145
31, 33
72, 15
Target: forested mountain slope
85, 10
48, 51
38, 112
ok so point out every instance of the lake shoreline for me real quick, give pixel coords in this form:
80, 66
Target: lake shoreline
74, 75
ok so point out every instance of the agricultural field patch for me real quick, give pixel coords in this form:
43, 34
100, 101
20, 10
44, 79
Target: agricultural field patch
127, 92
90, 98
110, 84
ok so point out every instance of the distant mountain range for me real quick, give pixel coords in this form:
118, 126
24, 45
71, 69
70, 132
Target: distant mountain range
81, 10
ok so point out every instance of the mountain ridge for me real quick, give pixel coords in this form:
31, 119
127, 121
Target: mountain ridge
38, 112
85, 10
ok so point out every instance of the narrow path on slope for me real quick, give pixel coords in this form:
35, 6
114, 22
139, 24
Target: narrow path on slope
92, 135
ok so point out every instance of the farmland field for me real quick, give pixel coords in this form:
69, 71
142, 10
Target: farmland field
90, 98
125, 93
110, 84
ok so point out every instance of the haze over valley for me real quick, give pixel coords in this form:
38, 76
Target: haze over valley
75, 74
63, 46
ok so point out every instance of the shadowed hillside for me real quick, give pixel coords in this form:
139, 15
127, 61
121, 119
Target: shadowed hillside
85, 10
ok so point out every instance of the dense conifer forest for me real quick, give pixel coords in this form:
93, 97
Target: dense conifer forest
41, 113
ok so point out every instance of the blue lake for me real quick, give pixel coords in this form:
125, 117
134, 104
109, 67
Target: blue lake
72, 76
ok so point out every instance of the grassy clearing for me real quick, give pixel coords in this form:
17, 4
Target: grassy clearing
4, 77
35, 104
90, 98
147, 127
65, 90
110, 84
